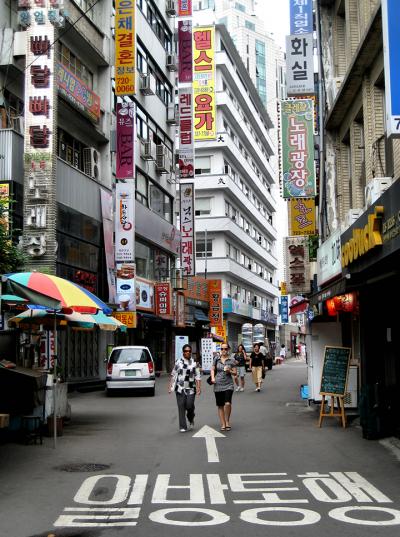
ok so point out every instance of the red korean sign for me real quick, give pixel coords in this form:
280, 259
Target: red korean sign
184, 8
215, 299
297, 265
204, 83
185, 51
163, 299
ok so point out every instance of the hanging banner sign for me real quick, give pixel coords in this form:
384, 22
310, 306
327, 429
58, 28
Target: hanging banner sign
185, 51
284, 309
216, 305
297, 265
184, 8
126, 286
125, 222
302, 217
298, 173
188, 258
204, 83
162, 293
301, 16
391, 57
186, 134
300, 64
125, 167
125, 47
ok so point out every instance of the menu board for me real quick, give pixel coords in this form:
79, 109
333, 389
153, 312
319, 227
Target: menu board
335, 370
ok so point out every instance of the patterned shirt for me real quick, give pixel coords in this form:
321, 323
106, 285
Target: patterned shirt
223, 381
185, 373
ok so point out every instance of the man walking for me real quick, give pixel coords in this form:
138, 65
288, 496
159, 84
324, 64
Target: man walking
186, 382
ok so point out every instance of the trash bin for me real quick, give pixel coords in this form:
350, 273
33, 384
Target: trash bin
304, 391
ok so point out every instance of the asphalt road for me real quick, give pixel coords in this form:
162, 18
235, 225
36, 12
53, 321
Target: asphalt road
275, 473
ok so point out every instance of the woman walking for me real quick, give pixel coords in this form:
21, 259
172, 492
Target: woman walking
241, 359
186, 382
257, 366
222, 373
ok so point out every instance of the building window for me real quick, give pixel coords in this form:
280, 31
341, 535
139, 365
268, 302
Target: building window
202, 250
142, 194
202, 206
160, 202
250, 25
70, 149
71, 62
203, 165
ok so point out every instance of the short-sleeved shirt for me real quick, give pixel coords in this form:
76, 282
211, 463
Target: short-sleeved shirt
257, 359
240, 359
186, 372
223, 381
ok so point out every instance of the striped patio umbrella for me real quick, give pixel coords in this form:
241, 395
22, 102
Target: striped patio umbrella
61, 293
105, 322
46, 318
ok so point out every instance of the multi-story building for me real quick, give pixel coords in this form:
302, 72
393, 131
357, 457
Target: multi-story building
235, 209
359, 207
85, 155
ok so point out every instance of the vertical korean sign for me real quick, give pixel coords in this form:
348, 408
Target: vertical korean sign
188, 259
185, 49
391, 56
163, 300
186, 135
125, 245
40, 208
302, 217
300, 64
298, 174
125, 47
125, 167
301, 16
204, 83
215, 299
297, 265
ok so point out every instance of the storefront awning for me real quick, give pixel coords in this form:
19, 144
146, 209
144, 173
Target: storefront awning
199, 315
336, 288
300, 307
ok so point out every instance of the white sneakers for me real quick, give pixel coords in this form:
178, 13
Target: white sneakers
238, 389
182, 430
241, 390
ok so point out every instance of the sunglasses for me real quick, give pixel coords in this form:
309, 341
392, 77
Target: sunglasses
224, 348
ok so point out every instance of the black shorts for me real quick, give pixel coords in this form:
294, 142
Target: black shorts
223, 397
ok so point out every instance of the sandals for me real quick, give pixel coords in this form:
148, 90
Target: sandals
223, 429
228, 428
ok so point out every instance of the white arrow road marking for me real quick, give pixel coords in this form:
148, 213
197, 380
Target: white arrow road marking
210, 435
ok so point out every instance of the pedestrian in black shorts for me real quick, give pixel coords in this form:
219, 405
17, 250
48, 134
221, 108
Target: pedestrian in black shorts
223, 372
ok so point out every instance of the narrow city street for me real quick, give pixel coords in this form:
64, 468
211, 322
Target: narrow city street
122, 468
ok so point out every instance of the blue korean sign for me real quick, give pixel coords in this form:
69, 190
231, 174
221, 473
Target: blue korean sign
391, 56
301, 16
284, 309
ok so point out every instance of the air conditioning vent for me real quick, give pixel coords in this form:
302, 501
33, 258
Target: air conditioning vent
163, 162
18, 124
353, 215
375, 188
148, 84
147, 151
91, 162
170, 8
171, 63
172, 114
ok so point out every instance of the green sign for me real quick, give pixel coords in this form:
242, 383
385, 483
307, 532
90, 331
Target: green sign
335, 370
297, 131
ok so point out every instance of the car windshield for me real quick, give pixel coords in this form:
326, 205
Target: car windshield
129, 356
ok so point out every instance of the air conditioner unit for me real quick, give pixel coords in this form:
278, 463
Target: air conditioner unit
163, 163
171, 63
170, 8
160, 150
172, 114
375, 188
18, 124
227, 169
147, 151
91, 162
353, 215
148, 84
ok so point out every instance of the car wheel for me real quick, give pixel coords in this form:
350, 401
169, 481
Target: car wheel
109, 392
151, 391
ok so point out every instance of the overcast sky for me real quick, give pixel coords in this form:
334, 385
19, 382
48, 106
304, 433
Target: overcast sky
275, 14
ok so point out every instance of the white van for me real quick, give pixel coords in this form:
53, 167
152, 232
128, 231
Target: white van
130, 367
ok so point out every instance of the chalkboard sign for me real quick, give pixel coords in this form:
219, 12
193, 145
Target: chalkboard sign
335, 370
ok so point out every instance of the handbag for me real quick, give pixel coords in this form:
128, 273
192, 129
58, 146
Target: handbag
209, 381
263, 374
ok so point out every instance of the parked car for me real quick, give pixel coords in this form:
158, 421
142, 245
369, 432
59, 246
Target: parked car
130, 367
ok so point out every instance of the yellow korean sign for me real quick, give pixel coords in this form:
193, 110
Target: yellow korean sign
125, 47
128, 318
204, 83
221, 331
302, 217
